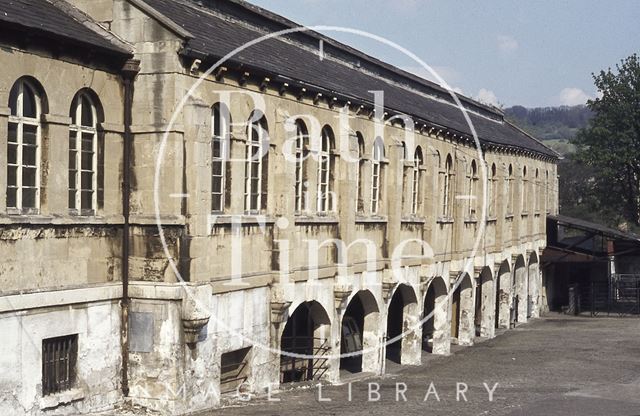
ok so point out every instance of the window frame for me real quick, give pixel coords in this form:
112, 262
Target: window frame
79, 130
257, 134
376, 176
301, 145
325, 202
220, 136
416, 174
19, 121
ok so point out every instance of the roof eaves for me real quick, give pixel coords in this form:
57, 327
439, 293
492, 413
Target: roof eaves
82, 18
162, 19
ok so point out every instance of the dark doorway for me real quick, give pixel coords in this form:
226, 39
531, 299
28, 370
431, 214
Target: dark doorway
351, 339
395, 317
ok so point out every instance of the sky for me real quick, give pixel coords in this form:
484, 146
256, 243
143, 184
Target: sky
504, 52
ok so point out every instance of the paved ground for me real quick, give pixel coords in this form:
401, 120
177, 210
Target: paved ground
557, 365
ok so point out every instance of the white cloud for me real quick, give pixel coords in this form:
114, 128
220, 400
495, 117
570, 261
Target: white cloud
487, 97
573, 96
507, 43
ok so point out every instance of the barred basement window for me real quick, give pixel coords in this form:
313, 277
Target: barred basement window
83, 156
59, 356
23, 148
220, 145
234, 369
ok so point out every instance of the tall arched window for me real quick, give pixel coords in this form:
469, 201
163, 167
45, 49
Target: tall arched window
360, 175
447, 188
406, 184
325, 172
220, 152
376, 175
416, 176
83, 155
535, 194
508, 184
492, 192
302, 142
547, 192
473, 190
23, 147
256, 163
524, 198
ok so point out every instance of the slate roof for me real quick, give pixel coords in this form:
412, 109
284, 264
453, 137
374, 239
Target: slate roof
593, 227
60, 21
216, 33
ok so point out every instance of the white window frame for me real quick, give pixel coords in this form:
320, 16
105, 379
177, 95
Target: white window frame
359, 192
325, 202
20, 121
256, 135
376, 172
473, 190
301, 135
415, 184
222, 138
447, 187
76, 132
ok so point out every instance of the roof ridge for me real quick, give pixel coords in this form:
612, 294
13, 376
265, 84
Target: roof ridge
88, 22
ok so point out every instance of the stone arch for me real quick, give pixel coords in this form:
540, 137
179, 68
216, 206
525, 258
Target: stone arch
533, 285
435, 328
520, 290
503, 295
362, 316
307, 332
402, 316
462, 312
485, 301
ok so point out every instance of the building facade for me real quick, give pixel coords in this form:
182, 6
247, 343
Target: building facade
177, 230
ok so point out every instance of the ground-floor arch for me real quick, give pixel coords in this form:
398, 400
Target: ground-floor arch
503, 295
520, 302
307, 333
435, 328
402, 316
360, 334
484, 307
462, 312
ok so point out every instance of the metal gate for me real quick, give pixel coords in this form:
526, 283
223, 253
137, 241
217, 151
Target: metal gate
620, 295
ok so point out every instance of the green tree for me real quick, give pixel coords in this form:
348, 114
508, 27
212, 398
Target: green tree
610, 144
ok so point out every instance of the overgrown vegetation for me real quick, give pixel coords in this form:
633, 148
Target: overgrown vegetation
600, 143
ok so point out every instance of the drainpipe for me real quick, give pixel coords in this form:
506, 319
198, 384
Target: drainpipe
129, 72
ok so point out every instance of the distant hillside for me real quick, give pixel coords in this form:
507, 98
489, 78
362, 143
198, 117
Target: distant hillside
555, 125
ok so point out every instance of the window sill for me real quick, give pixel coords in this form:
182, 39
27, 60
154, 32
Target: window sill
53, 400
524, 214
536, 214
492, 219
315, 219
470, 220
412, 220
243, 219
508, 217
371, 220
60, 220
445, 220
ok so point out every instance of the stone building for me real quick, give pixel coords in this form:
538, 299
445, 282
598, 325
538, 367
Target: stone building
172, 226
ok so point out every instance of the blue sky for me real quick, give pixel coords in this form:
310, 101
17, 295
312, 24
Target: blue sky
532, 53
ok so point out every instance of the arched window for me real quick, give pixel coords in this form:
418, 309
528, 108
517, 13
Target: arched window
508, 184
220, 153
376, 175
547, 192
416, 193
360, 175
23, 147
406, 185
447, 187
524, 198
325, 172
302, 143
492, 192
473, 190
535, 195
83, 155
256, 163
